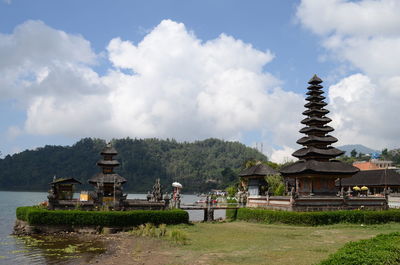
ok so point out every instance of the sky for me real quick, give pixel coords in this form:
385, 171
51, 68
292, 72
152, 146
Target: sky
191, 70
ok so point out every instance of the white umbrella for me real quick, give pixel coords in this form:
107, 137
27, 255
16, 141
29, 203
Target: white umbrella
177, 185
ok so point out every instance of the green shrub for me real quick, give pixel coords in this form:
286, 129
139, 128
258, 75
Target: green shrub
162, 230
318, 218
276, 184
22, 212
231, 190
35, 216
149, 230
178, 236
382, 249
231, 213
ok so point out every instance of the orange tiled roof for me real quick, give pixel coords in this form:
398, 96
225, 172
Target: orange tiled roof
367, 165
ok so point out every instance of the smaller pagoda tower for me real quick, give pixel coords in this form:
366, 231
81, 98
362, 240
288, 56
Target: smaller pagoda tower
108, 184
317, 170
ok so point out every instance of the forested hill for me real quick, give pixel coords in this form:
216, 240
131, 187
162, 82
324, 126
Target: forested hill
199, 166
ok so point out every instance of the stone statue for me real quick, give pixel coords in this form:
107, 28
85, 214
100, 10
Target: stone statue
342, 193
166, 200
348, 193
157, 191
118, 195
293, 193
98, 199
178, 200
149, 196
52, 197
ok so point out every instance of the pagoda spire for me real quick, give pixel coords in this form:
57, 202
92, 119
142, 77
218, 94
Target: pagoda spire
108, 163
316, 143
317, 169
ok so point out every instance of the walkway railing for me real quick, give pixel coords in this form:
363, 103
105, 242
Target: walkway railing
209, 207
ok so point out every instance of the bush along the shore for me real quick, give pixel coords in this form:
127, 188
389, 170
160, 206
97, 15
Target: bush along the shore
149, 230
318, 218
37, 216
231, 213
383, 249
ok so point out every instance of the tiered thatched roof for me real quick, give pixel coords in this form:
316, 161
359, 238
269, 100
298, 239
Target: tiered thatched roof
316, 157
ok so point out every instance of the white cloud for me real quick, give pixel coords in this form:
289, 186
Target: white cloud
365, 113
366, 36
176, 86
352, 18
364, 33
282, 155
34, 52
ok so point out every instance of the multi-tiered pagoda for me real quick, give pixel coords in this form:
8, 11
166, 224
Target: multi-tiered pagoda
316, 170
108, 184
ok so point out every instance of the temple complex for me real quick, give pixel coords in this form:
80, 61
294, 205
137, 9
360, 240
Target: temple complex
316, 173
107, 193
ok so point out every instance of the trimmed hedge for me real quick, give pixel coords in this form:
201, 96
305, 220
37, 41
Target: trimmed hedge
318, 218
37, 216
383, 249
231, 213
22, 212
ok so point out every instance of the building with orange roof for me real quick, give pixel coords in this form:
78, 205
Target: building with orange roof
373, 164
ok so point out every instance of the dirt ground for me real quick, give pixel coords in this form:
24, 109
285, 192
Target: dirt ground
123, 248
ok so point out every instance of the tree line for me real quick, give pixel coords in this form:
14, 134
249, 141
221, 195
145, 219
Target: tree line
199, 166
391, 155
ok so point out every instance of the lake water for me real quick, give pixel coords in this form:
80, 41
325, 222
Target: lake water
50, 250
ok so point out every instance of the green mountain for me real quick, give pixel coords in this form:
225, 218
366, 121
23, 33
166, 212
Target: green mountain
199, 166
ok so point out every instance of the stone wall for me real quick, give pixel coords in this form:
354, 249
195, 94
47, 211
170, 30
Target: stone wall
317, 203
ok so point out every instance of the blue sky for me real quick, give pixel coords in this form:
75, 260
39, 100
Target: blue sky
124, 80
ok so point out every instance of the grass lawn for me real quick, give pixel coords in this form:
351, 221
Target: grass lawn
252, 243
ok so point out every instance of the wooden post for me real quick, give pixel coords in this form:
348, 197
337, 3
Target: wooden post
312, 186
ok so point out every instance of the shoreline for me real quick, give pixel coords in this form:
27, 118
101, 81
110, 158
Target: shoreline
109, 248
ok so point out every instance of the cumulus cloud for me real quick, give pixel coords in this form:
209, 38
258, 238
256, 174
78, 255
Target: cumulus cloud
35, 52
352, 18
364, 35
170, 84
283, 155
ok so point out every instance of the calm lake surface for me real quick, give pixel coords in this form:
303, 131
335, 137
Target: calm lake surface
50, 250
